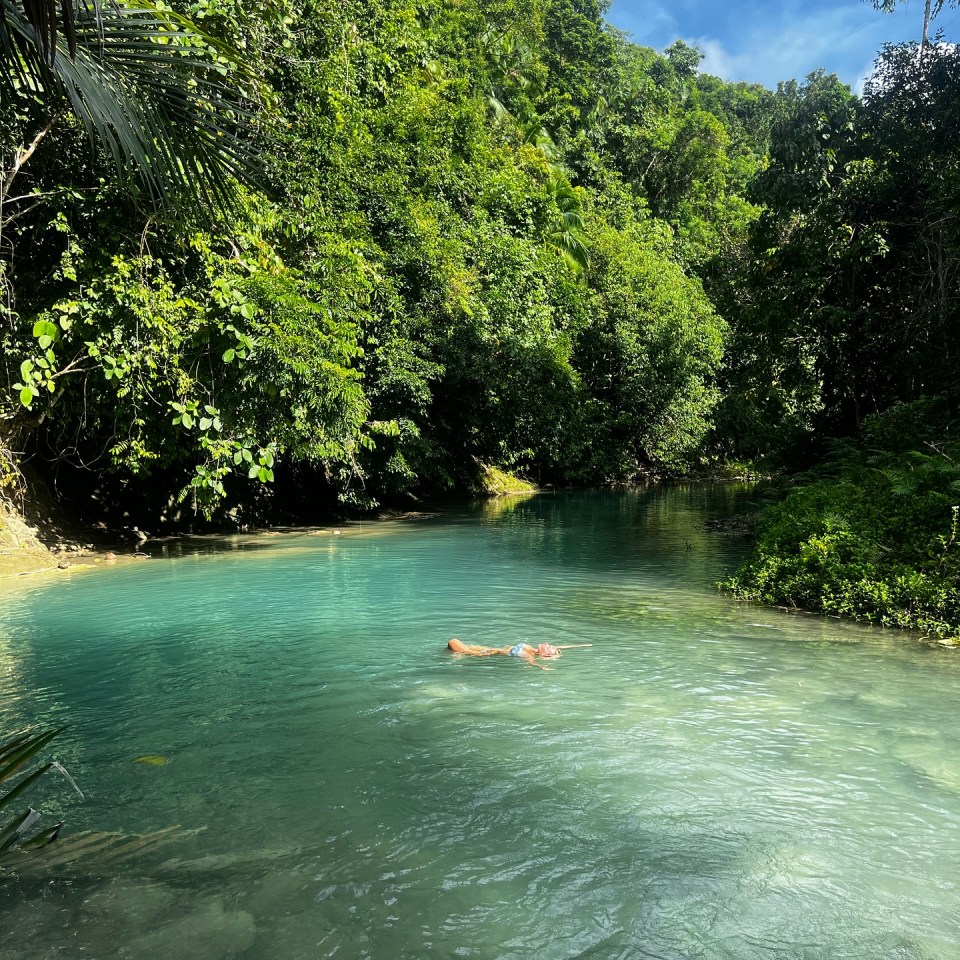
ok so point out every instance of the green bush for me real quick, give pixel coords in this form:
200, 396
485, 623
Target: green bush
879, 543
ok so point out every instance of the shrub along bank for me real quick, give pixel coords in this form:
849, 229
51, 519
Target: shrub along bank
879, 541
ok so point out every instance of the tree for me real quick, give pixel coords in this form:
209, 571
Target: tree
684, 59
796, 308
416, 298
647, 358
850, 305
145, 85
931, 10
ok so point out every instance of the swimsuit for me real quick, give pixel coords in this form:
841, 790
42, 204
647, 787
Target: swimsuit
519, 650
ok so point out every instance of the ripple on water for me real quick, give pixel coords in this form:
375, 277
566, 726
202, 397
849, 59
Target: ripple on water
706, 781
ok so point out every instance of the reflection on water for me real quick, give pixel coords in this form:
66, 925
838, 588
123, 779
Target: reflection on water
706, 781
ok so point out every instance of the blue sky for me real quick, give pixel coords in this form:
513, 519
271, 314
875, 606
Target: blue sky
763, 41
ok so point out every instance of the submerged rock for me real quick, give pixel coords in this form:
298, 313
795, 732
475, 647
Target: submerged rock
32, 929
741, 525
127, 905
207, 933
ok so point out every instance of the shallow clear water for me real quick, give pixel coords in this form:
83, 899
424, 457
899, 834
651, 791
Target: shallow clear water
707, 781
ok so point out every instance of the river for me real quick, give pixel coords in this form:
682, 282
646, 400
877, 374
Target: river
708, 780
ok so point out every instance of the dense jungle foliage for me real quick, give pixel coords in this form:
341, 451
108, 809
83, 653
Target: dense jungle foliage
472, 238
873, 532
271, 260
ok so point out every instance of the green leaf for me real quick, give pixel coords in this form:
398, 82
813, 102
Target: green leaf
26, 783
254, 471
44, 838
17, 828
228, 355
17, 752
44, 328
26, 396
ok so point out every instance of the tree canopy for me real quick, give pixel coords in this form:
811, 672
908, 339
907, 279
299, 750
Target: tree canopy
446, 237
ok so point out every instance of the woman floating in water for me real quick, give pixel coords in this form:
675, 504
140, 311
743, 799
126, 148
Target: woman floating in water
545, 651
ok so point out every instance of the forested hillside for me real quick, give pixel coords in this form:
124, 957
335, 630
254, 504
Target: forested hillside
474, 234
372, 248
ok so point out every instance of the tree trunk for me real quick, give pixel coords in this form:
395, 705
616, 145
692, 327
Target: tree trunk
926, 24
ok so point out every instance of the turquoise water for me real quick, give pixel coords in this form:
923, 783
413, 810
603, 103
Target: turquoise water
707, 781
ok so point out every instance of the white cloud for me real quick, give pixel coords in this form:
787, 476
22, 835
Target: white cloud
764, 41
772, 50
863, 75
716, 59
647, 21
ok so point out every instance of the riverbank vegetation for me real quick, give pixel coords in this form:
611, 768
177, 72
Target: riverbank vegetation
271, 261
872, 533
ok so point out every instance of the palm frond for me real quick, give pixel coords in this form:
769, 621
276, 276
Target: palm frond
156, 95
39, 854
568, 239
572, 248
19, 751
14, 755
90, 849
47, 20
497, 107
17, 828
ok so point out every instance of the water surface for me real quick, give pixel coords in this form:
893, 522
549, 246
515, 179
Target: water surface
707, 781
